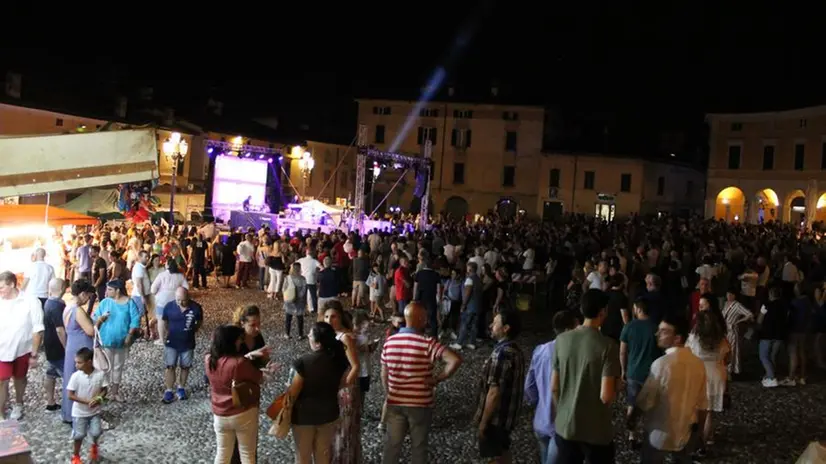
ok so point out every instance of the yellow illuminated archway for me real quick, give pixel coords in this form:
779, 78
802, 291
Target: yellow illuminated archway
820, 215
730, 204
767, 202
788, 214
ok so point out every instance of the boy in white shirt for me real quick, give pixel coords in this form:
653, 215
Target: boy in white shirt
87, 388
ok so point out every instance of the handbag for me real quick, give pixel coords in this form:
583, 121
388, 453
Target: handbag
281, 411
289, 291
100, 360
242, 392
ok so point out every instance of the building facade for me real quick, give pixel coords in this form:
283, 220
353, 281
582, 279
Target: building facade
485, 156
767, 166
612, 186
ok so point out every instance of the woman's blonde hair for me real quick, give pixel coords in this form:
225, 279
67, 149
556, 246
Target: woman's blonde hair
242, 313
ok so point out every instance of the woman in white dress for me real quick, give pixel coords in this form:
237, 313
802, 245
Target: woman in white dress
163, 291
708, 342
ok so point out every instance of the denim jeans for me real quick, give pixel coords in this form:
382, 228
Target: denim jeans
547, 449
312, 290
262, 277
768, 355
467, 326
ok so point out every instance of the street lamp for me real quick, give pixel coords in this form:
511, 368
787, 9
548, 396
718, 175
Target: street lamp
306, 164
175, 148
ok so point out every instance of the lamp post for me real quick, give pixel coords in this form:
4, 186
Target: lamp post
175, 148
306, 164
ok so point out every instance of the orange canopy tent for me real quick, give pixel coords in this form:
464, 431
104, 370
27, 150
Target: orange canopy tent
20, 215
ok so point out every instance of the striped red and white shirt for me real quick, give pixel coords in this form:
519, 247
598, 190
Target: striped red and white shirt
409, 358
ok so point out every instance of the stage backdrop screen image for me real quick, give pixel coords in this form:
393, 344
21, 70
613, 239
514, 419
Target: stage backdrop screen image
235, 180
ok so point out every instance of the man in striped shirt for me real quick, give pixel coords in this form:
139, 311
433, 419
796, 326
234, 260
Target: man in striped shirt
407, 373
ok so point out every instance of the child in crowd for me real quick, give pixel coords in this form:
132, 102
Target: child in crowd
453, 293
87, 388
396, 324
361, 326
377, 284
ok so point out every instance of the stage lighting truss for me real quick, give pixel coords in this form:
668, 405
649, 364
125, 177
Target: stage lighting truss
243, 151
405, 161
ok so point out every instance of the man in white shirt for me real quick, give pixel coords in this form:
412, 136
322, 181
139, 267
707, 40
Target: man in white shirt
36, 282
20, 336
309, 270
492, 258
140, 281
479, 260
245, 252
596, 279
673, 397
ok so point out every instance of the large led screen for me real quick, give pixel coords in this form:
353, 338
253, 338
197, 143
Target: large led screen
235, 180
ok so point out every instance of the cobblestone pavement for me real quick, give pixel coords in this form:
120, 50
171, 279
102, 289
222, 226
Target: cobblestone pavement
762, 426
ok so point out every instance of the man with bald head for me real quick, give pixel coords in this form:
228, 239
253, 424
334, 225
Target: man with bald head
407, 373
183, 318
36, 280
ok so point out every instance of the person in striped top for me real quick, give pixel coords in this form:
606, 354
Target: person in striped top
407, 373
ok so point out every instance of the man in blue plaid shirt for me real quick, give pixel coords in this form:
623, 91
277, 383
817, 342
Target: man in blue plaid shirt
500, 393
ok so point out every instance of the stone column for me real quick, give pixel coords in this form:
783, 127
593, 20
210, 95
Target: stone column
753, 210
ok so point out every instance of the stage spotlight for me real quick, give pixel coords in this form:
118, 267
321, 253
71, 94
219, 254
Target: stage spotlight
261, 156
209, 150
280, 158
269, 160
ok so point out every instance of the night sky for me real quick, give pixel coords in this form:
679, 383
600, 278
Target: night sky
675, 63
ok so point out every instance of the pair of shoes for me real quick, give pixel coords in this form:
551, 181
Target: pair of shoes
181, 393
16, 412
769, 383
788, 382
94, 453
168, 397
53, 407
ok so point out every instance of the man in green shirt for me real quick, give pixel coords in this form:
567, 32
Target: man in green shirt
586, 369
638, 349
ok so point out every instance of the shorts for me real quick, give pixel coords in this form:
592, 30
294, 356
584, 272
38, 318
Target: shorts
54, 369
83, 425
360, 288
15, 369
495, 443
364, 384
632, 389
174, 358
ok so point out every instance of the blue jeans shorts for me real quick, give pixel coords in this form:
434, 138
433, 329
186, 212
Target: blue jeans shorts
174, 358
83, 425
632, 389
54, 369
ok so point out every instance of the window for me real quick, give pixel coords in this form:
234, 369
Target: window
554, 178
823, 156
625, 183
460, 138
510, 141
509, 176
458, 173
768, 157
799, 155
379, 133
689, 188
385, 110
802, 123
429, 113
734, 156
426, 133
463, 114
58, 122
736, 126
660, 186
510, 116
590, 177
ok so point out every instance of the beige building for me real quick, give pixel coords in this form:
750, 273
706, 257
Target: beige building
613, 186
767, 166
484, 155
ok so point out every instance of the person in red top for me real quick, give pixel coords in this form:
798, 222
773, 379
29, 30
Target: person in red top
403, 284
407, 362
341, 262
703, 287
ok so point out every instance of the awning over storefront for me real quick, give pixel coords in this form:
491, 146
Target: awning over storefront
52, 163
20, 215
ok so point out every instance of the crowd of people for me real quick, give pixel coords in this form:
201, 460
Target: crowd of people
659, 308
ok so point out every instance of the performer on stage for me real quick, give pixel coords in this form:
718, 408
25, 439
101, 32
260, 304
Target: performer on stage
246, 204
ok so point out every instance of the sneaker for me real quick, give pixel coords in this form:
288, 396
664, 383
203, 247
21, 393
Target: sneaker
382, 428
16, 411
470, 346
182, 393
788, 382
769, 383
168, 397
53, 407
453, 335
118, 398
801, 381
76, 460
159, 343
94, 453
456, 347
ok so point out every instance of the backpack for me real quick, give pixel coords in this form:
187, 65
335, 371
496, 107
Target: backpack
289, 290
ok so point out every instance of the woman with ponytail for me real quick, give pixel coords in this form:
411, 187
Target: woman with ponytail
315, 385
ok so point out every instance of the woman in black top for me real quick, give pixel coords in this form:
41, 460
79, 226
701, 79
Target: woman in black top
315, 386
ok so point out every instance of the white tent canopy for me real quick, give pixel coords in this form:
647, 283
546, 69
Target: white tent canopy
52, 163
316, 206
94, 201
